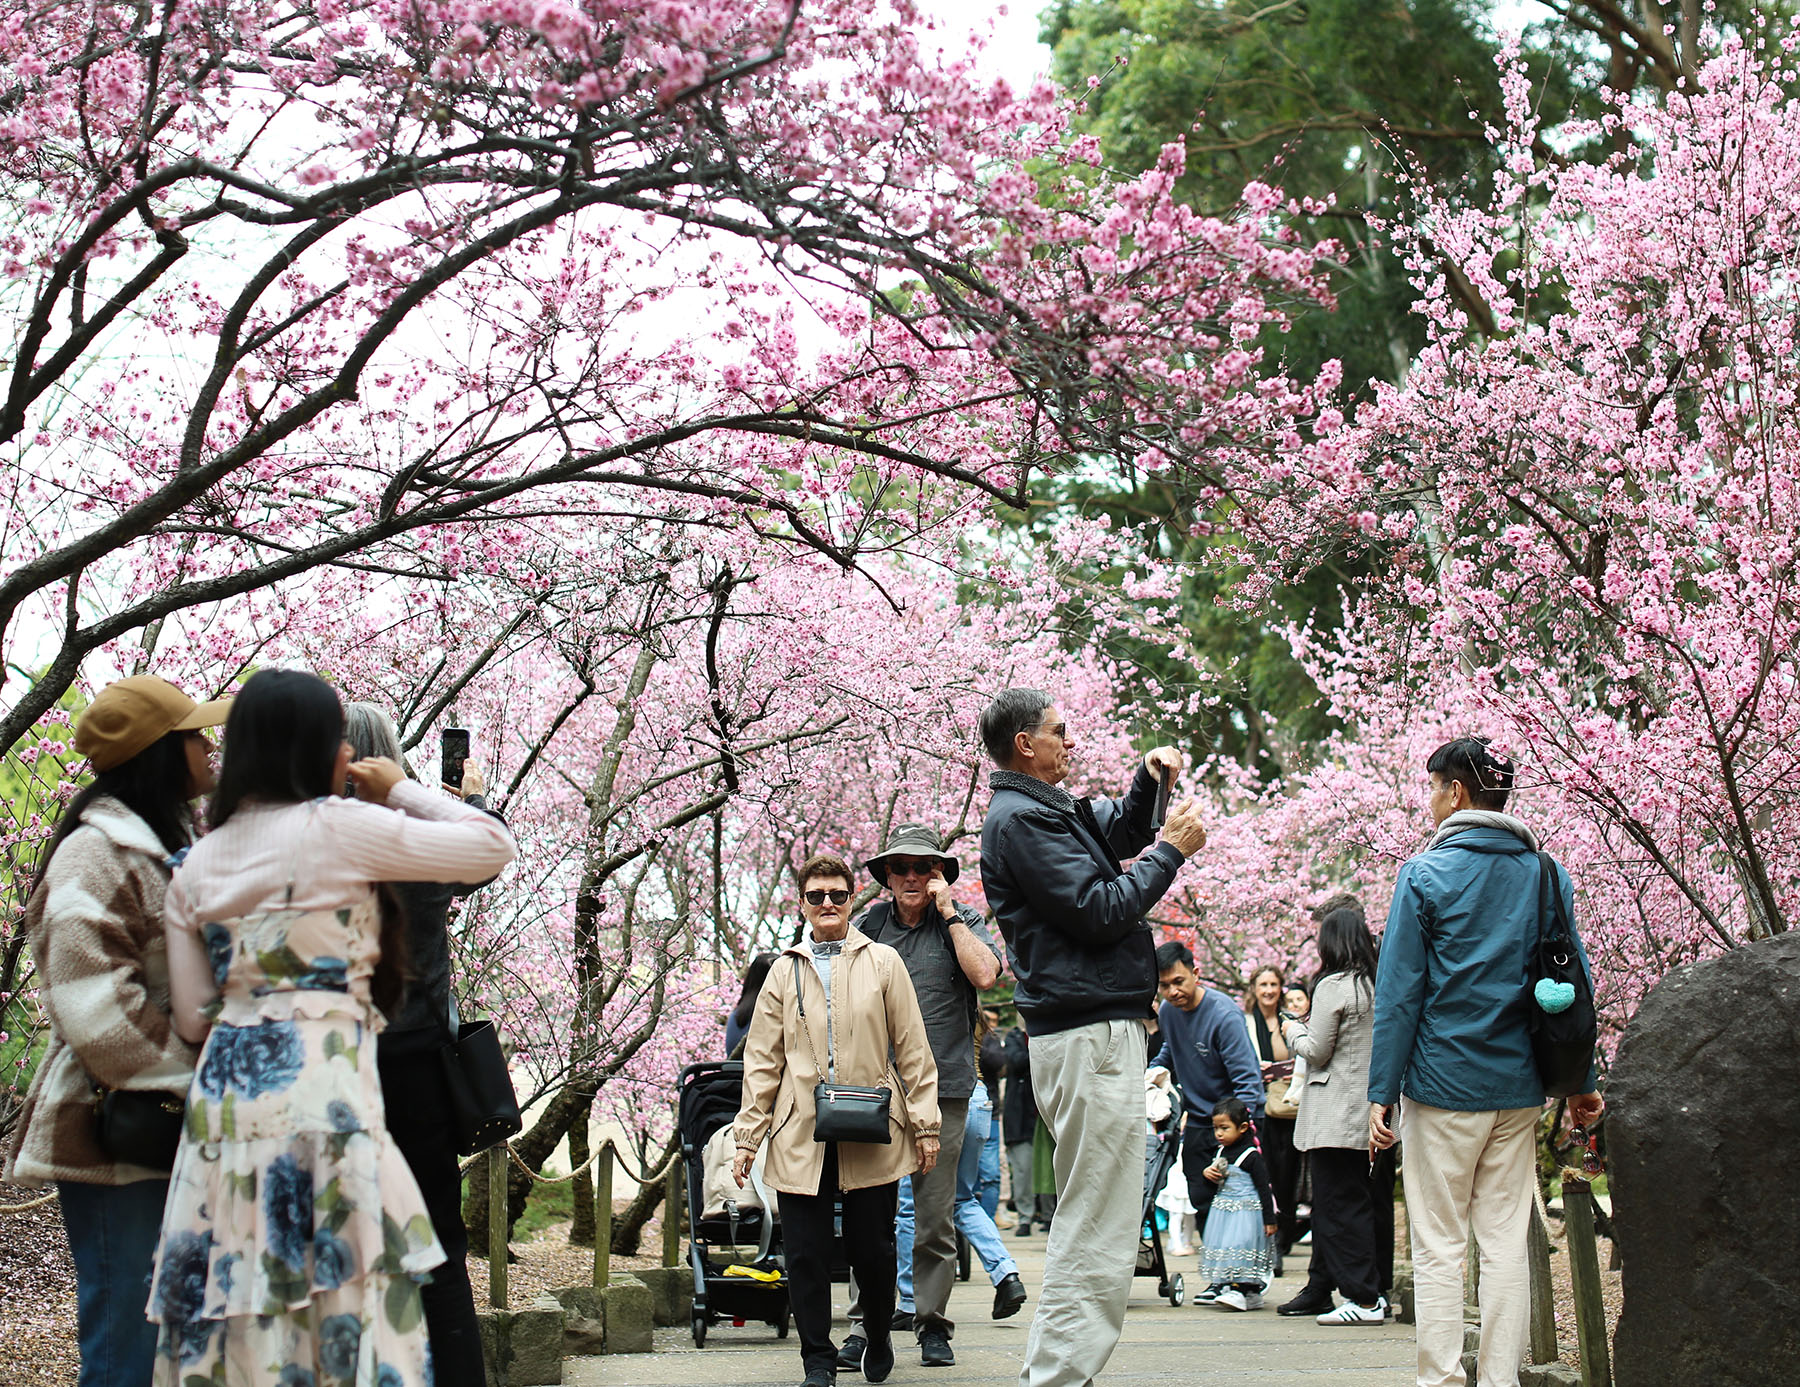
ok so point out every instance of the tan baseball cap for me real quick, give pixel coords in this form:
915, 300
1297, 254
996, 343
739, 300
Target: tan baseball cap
126, 717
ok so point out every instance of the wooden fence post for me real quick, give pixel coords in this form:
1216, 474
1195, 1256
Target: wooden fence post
603, 1186
497, 1227
1543, 1292
1584, 1272
672, 1215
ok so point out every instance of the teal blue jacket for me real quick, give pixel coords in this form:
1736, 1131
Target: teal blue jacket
1450, 993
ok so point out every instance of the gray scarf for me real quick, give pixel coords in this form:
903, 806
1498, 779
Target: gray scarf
1052, 795
1464, 819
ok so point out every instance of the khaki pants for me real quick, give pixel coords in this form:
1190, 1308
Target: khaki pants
1090, 1092
1468, 1170
932, 1254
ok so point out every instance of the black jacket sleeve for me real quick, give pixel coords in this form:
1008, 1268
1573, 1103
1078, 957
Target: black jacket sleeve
1072, 892
1126, 821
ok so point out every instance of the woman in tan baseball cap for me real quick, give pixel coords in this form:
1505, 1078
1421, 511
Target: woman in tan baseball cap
95, 920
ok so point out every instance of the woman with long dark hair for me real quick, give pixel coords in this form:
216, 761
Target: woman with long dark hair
295, 1234
1336, 1042
95, 920
737, 1023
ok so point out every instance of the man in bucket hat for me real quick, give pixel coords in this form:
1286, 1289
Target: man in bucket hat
950, 957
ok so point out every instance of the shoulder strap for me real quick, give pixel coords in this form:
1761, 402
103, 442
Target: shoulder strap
830, 1072
1553, 915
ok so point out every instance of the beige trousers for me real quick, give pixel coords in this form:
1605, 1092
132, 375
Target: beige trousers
1468, 1170
1090, 1092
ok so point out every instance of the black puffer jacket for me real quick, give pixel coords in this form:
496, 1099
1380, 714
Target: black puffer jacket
1072, 917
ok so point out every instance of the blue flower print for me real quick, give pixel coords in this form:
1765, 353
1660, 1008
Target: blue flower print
339, 1338
287, 1209
181, 1286
218, 951
195, 1338
252, 1060
325, 975
293, 1375
225, 1271
334, 1261
342, 1116
389, 1376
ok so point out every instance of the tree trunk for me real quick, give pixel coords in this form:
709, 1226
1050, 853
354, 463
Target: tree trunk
628, 1228
533, 1148
581, 1230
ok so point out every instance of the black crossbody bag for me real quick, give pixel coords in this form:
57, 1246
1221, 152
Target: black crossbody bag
139, 1126
1559, 995
842, 1112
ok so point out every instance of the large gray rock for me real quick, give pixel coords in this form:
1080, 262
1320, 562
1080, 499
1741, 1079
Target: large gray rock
671, 1293
629, 1322
1702, 1131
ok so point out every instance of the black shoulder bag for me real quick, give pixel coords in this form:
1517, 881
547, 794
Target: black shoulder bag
842, 1112
136, 1126
1560, 1000
484, 1110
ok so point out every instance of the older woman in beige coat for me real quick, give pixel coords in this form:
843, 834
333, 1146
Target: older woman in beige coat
861, 1026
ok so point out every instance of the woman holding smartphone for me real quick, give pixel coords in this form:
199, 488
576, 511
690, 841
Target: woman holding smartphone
295, 1234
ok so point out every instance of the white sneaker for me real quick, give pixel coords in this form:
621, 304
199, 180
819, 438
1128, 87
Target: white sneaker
1208, 1296
1253, 1300
1231, 1298
1352, 1313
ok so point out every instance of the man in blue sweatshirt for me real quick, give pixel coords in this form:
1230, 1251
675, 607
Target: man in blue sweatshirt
1452, 1036
1207, 1046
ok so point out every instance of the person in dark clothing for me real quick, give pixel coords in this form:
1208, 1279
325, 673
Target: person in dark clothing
1018, 1123
1072, 914
737, 1021
413, 1086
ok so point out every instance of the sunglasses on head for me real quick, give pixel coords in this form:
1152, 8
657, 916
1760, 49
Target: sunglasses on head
820, 897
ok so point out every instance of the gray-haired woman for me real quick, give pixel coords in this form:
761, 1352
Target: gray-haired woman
412, 1076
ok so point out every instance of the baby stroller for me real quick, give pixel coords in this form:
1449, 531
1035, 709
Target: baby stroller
1160, 1151
744, 1239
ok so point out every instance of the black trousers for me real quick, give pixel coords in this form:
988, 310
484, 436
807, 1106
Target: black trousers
1381, 1195
806, 1236
418, 1118
1345, 1254
1276, 1135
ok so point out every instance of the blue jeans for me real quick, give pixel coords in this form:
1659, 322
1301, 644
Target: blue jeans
974, 1215
903, 1243
112, 1233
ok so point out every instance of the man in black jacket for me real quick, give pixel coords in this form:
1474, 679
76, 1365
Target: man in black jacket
1085, 963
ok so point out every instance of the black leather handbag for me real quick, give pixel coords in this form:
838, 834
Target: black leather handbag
1560, 998
483, 1107
139, 1126
843, 1112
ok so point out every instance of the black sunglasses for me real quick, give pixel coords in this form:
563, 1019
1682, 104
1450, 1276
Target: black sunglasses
819, 897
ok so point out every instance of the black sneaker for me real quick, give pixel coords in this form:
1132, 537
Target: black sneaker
934, 1348
1009, 1295
903, 1319
878, 1359
820, 1377
850, 1356
1304, 1304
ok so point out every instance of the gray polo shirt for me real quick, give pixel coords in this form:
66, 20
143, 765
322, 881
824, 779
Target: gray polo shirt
947, 998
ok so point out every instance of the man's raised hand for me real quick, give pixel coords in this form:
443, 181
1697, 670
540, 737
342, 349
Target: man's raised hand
1184, 831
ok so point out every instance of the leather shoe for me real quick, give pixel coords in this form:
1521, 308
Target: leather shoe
903, 1319
878, 1358
1304, 1304
934, 1348
1009, 1295
851, 1354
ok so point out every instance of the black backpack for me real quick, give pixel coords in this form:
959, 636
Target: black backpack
1563, 1039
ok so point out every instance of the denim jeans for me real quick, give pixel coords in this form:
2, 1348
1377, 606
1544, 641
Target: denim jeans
112, 1234
974, 1219
903, 1241
987, 1188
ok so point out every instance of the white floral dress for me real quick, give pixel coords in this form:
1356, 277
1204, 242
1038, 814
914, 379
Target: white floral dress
295, 1236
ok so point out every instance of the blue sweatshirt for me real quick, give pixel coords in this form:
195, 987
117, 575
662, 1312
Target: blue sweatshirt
1451, 1025
1209, 1051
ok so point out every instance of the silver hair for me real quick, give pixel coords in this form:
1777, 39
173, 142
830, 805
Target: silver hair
371, 732
1013, 711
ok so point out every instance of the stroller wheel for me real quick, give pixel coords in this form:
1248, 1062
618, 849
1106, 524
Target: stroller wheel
783, 1325
699, 1328
1177, 1291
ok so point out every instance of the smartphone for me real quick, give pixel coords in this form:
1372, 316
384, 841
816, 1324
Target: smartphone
1160, 815
454, 744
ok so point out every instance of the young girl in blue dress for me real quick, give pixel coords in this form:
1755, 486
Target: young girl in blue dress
1237, 1256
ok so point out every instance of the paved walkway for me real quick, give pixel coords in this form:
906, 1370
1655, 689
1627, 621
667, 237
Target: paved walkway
1196, 1345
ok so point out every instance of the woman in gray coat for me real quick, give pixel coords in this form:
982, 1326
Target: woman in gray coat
1333, 1127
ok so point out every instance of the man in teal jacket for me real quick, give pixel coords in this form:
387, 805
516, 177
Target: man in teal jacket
1452, 1037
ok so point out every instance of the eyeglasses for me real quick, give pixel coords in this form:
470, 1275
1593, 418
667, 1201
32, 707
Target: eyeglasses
820, 897
900, 867
1590, 1152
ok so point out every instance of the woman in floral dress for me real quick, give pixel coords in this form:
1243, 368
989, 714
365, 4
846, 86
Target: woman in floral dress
295, 1236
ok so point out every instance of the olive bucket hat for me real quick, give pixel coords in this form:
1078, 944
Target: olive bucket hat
911, 840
